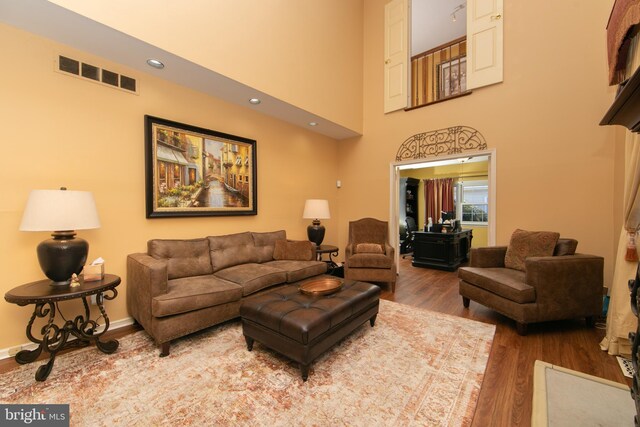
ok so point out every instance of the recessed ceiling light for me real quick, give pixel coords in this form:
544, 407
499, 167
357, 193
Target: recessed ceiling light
254, 101
155, 64
313, 124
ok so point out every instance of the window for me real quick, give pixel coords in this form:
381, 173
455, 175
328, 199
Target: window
439, 73
162, 177
473, 206
483, 51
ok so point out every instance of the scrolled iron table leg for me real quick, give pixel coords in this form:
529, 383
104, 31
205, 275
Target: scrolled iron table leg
332, 263
28, 356
110, 346
53, 339
44, 370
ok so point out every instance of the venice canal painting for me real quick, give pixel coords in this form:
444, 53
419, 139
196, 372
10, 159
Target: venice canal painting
193, 171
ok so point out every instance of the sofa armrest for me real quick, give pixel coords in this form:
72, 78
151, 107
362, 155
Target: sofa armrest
488, 257
568, 282
146, 274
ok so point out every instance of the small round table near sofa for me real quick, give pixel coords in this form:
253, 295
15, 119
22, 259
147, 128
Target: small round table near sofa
46, 297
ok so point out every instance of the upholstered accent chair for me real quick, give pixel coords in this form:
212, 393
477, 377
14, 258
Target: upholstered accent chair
368, 256
538, 277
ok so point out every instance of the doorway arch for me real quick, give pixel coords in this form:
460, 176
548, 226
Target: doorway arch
449, 144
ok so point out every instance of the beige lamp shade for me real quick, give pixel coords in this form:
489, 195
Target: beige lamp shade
56, 210
61, 212
316, 209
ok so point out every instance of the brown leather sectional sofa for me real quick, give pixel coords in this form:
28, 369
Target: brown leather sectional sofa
182, 286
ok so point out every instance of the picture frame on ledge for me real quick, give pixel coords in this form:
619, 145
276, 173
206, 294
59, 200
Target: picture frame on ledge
192, 171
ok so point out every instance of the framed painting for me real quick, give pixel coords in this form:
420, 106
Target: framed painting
191, 171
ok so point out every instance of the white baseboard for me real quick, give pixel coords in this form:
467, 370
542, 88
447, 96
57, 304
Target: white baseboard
4, 352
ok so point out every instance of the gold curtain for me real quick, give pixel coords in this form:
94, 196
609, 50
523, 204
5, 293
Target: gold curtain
620, 320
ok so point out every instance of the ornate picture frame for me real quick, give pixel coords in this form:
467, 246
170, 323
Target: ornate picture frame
192, 171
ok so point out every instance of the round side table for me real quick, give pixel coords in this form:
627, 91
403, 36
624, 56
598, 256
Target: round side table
45, 297
327, 249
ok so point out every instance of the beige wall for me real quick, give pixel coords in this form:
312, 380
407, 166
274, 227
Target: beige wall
62, 130
307, 53
542, 121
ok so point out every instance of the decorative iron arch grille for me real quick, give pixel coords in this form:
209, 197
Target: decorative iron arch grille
453, 140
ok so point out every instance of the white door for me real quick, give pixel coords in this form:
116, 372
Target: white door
484, 41
396, 55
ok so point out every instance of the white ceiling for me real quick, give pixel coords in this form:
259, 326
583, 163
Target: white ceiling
432, 26
57, 23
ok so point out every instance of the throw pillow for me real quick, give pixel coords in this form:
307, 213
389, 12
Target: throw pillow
293, 250
369, 248
565, 247
526, 244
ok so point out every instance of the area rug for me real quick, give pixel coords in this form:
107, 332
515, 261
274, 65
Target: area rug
415, 367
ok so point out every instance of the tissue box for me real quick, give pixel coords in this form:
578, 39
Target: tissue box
93, 272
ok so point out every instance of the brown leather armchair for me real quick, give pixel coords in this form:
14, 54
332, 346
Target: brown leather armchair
368, 256
565, 285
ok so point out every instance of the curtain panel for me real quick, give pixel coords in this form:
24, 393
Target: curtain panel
620, 319
438, 196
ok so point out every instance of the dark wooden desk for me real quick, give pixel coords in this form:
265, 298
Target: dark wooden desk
46, 296
445, 251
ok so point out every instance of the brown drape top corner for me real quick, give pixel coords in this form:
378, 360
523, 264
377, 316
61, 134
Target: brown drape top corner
624, 16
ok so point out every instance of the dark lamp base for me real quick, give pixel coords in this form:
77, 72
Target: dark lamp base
315, 232
62, 256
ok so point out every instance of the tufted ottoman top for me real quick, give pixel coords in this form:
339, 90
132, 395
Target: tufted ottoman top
303, 317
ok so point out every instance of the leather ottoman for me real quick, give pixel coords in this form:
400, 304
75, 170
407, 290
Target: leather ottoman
302, 327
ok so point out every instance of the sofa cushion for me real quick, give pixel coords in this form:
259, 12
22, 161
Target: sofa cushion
296, 250
505, 282
565, 247
369, 248
253, 277
184, 257
526, 244
232, 249
370, 261
265, 244
298, 270
193, 293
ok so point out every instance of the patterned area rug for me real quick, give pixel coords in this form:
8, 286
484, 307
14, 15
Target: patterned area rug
415, 367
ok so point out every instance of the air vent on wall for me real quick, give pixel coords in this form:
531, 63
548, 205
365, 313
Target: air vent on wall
97, 74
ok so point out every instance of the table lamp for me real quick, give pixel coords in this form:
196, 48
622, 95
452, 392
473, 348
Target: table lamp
61, 212
316, 209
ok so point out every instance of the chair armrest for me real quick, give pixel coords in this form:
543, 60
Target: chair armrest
488, 257
389, 250
348, 251
566, 282
146, 275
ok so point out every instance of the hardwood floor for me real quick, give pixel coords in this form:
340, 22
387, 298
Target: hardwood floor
506, 395
507, 390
